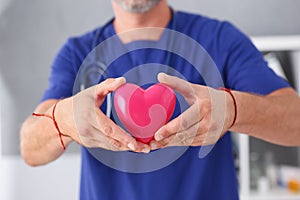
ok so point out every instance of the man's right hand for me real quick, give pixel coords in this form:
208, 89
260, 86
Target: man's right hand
80, 118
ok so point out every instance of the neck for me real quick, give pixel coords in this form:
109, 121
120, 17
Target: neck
158, 16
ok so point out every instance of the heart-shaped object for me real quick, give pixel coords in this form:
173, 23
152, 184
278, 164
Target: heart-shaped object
143, 112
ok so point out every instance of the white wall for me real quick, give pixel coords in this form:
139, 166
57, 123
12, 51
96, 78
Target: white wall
5, 112
58, 180
3, 5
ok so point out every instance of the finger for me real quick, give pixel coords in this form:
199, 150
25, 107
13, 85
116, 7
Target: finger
107, 127
158, 144
200, 134
182, 86
94, 139
142, 148
102, 141
184, 121
115, 145
182, 138
109, 85
109, 144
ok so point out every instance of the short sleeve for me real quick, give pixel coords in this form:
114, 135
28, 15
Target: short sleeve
62, 75
245, 69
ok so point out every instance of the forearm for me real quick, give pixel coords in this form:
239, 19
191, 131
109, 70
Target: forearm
274, 118
40, 141
79, 119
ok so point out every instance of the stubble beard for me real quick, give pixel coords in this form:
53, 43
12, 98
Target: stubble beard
137, 6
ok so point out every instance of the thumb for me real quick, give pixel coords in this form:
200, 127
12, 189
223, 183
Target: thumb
104, 88
183, 87
109, 85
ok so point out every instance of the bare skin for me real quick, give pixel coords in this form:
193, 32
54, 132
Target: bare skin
272, 118
39, 140
84, 124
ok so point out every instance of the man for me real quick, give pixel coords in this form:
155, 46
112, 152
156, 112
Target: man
272, 116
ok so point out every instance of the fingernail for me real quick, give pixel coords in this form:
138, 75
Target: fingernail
153, 146
120, 79
158, 137
161, 76
146, 150
131, 146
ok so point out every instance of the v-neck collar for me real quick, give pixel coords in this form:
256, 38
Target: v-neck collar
171, 25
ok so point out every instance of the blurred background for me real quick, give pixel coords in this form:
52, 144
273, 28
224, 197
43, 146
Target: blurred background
32, 31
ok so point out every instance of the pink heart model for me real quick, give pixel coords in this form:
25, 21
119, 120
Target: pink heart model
143, 112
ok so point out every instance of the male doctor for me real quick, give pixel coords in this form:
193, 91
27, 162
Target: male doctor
259, 104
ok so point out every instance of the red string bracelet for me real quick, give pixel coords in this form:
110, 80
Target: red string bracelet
234, 103
60, 134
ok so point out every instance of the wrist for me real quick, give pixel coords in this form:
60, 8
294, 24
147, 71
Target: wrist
231, 108
65, 119
52, 115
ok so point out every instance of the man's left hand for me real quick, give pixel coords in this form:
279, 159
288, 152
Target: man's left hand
209, 116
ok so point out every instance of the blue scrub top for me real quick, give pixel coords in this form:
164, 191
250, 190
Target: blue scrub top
213, 177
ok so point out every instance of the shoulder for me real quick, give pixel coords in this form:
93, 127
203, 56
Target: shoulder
83, 44
213, 34
78, 47
83, 41
200, 24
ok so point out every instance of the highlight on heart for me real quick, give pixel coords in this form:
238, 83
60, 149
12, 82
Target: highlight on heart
143, 112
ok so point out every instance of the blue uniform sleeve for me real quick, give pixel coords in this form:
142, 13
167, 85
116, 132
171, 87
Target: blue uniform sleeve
62, 75
246, 70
